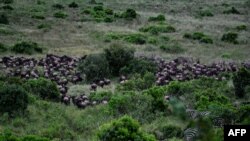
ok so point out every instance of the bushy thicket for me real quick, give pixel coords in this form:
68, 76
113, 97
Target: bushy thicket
118, 56
13, 98
6, 1
232, 10
96, 66
138, 82
157, 18
168, 131
241, 27
129, 14
139, 66
241, 80
43, 88
230, 37
26, 48
199, 36
156, 29
3, 48
61, 15
9, 137
100, 96
73, 5
123, 129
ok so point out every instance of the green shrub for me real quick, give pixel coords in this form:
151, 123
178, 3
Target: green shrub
199, 36
108, 20
100, 96
6, 1
118, 56
135, 38
155, 29
44, 26
206, 13
95, 66
168, 131
44, 88
13, 98
174, 48
140, 66
123, 129
58, 6
157, 18
241, 27
109, 11
129, 14
241, 80
138, 82
60, 14
86, 11
4, 19
73, 5
230, 37
233, 10
158, 93
2, 48
98, 8
27, 48
243, 114
7, 136
178, 88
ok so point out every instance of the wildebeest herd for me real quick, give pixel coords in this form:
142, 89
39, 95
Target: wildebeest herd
63, 70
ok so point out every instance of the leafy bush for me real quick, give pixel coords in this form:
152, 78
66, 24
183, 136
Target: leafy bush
38, 16
230, 37
168, 131
27, 48
2, 48
158, 93
4, 19
13, 98
241, 27
7, 136
100, 96
174, 48
140, 66
241, 80
206, 13
233, 10
44, 88
199, 36
178, 88
98, 8
73, 5
157, 18
7, 7
44, 26
108, 20
155, 29
118, 56
58, 6
60, 14
138, 82
129, 14
95, 66
109, 11
135, 39
123, 129
243, 114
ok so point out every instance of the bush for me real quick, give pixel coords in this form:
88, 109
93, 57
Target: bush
44, 26
13, 98
58, 6
60, 14
243, 114
109, 11
98, 8
241, 80
140, 66
38, 16
241, 27
230, 37
157, 18
129, 14
138, 82
233, 10
95, 66
155, 29
4, 19
168, 131
206, 13
118, 56
73, 5
100, 96
135, 39
27, 48
108, 20
123, 129
175, 48
7, 136
44, 88
2, 48
7, 7
199, 36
